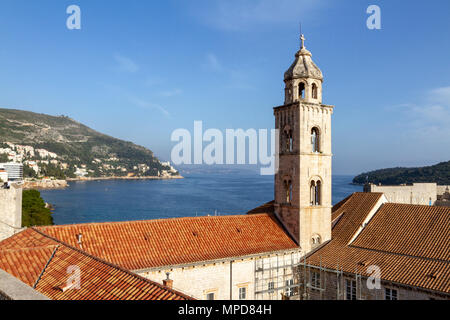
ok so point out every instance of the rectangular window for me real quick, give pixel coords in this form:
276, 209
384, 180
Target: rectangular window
315, 280
289, 289
242, 293
350, 289
390, 294
271, 286
210, 296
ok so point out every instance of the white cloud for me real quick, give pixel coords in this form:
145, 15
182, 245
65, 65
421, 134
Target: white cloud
440, 95
154, 81
125, 64
171, 93
148, 105
246, 14
233, 77
212, 63
430, 118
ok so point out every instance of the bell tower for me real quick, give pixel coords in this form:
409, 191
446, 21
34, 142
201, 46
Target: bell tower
303, 181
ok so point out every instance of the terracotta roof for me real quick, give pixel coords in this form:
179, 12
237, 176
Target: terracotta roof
265, 208
414, 230
409, 243
39, 260
141, 245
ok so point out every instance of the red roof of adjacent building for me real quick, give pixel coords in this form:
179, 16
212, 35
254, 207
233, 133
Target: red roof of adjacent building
137, 245
42, 262
410, 243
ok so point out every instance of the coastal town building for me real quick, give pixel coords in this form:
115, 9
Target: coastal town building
298, 246
212, 257
3, 175
380, 251
417, 193
10, 210
443, 198
14, 170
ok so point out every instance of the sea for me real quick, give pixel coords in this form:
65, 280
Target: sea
201, 192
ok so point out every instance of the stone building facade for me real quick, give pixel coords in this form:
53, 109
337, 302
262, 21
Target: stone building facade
10, 211
336, 285
260, 277
417, 193
303, 181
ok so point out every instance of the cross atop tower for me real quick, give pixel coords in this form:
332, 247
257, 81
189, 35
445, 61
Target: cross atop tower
302, 38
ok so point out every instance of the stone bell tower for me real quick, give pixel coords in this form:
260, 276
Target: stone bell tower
303, 182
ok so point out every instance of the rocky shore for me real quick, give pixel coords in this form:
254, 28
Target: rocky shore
126, 178
45, 184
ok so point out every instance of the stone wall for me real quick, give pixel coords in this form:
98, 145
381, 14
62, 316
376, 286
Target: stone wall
334, 288
223, 278
417, 193
14, 289
10, 211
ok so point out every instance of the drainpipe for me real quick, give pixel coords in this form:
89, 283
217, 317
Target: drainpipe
231, 280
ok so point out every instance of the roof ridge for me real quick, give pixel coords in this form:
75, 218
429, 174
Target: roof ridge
26, 248
113, 265
399, 254
45, 267
419, 206
240, 215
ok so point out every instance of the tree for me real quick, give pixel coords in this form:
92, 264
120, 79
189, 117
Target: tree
34, 211
28, 172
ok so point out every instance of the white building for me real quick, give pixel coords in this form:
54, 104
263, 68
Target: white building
14, 170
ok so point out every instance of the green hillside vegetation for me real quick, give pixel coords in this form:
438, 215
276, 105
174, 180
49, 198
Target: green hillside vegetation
75, 144
439, 173
34, 212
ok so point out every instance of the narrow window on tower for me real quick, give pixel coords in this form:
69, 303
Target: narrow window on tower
318, 193
291, 142
313, 192
314, 91
301, 90
289, 191
315, 140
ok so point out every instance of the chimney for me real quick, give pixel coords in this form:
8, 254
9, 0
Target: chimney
167, 282
80, 240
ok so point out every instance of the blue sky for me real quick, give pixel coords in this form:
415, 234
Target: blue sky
138, 70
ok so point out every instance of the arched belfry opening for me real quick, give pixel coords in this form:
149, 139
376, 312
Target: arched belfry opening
301, 90
288, 139
289, 191
315, 139
316, 193
314, 91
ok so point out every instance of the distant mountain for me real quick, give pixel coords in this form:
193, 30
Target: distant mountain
63, 147
439, 173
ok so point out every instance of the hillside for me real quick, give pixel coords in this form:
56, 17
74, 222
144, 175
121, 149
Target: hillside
439, 173
62, 147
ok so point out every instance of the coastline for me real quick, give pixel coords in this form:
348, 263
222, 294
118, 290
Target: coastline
125, 178
47, 184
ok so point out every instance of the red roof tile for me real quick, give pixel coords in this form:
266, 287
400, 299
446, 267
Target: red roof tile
155, 243
409, 243
45, 263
